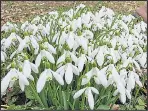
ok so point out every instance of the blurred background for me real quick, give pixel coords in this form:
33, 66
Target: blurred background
20, 11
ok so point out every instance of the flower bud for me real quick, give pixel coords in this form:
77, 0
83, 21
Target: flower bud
13, 64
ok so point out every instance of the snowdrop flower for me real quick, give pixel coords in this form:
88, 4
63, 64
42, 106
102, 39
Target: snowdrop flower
35, 45
27, 67
9, 27
44, 53
116, 78
10, 39
47, 74
13, 74
141, 58
99, 76
81, 61
67, 54
100, 57
70, 40
51, 49
68, 69
88, 92
3, 56
36, 20
88, 34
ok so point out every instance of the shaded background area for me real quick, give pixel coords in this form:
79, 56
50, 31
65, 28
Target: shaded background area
20, 11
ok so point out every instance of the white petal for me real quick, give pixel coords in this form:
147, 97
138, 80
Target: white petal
102, 77
123, 98
116, 92
128, 94
86, 80
61, 59
100, 58
38, 60
74, 58
81, 64
70, 41
75, 70
26, 68
79, 93
94, 90
31, 77
84, 43
137, 65
90, 100
2, 57
23, 81
5, 82
60, 69
58, 78
50, 57
93, 54
52, 49
68, 74
34, 67
21, 46
97, 80
41, 81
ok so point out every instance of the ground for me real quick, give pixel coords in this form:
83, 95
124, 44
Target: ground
20, 11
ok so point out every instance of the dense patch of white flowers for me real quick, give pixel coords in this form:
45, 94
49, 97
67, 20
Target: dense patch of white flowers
95, 46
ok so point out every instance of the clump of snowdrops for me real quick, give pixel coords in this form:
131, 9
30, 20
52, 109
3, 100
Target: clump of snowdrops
66, 59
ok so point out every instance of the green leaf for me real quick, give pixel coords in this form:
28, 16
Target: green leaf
141, 102
29, 93
138, 107
65, 102
103, 107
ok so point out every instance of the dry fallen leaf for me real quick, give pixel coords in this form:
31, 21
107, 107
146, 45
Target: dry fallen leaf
115, 107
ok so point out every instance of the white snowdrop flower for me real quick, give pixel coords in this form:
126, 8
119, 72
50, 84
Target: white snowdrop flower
9, 40
56, 36
88, 34
69, 70
81, 61
81, 6
44, 53
13, 75
48, 74
88, 92
34, 44
9, 27
76, 23
63, 38
85, 18
142, 58
24, 25
36, 20
3, 56
113, 42
130, 41
67, 54
93, 53
70, 40
51, 49
100, 57
27, 67
23, 44
130, 81
99, 76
